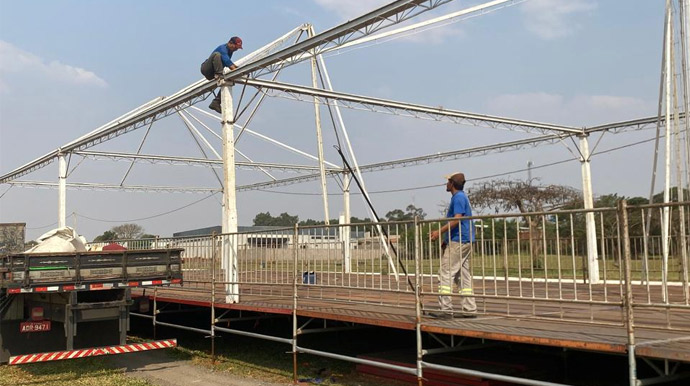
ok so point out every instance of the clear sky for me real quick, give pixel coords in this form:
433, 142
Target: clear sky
67, 67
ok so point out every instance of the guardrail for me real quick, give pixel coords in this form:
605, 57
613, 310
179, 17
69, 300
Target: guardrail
526, 266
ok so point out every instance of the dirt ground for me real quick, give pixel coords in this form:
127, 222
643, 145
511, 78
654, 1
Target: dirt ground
159, 368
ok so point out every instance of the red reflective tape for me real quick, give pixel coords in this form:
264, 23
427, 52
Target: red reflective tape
157, 282
96, 351
68, 288
41, 289
14, 290
27, 358
133, 284
96, 286
176, 281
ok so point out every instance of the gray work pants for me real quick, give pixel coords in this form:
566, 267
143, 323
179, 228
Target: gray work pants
212, 66
455, 268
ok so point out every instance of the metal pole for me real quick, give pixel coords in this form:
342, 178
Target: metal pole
357, 169
592, 255
155, 311
497, 377
667, 155
418, 303
686, 84
295, 246
62, 191
214, 255
347, 255
319, 137
679, 189
628, 295
686, 103
229, 254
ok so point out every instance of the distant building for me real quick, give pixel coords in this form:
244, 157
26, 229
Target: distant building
282, 237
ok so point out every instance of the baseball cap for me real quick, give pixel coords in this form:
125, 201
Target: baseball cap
458, 178
236, 40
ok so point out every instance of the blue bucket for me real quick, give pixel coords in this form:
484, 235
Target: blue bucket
308, 277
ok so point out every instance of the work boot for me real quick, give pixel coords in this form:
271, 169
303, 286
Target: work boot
443, 315
215, 106
219, 79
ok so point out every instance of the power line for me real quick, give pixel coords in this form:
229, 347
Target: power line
471, 179
421, 187
45, 226
149, 217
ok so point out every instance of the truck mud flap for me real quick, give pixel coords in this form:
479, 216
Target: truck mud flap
92, 352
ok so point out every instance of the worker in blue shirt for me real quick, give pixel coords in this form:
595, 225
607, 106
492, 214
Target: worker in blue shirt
212, 68
457, 236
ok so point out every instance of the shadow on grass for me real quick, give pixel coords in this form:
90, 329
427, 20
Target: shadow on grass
69, 372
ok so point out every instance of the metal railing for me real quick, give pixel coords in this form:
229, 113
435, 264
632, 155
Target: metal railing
527, 266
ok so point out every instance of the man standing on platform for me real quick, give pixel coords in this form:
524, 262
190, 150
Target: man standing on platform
221, 58
457, 236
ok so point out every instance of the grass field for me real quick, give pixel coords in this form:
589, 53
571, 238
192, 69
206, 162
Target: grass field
271, 362
89, 371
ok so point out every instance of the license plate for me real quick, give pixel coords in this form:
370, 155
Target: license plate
43, 325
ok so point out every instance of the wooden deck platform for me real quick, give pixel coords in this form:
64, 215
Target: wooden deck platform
597, 326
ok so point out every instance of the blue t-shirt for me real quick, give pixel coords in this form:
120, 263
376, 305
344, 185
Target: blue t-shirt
225, 55
460, 204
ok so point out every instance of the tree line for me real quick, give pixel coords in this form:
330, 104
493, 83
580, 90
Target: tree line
493, 196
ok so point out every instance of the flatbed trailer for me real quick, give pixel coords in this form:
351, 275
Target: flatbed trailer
57, 306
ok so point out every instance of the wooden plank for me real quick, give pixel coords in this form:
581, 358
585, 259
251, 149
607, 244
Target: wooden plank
579, 326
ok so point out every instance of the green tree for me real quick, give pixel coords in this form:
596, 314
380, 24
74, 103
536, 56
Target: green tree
353, 220
526, 198
405, 215
128, 231
106, 236
284, 219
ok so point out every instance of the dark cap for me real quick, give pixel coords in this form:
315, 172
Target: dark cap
457, 178
236, 40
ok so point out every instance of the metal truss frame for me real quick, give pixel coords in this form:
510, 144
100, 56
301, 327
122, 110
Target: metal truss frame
437, 157
365, 25
378, 105
271, 59
105, 187
144, 115
633, 125
161, 107
175, 160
